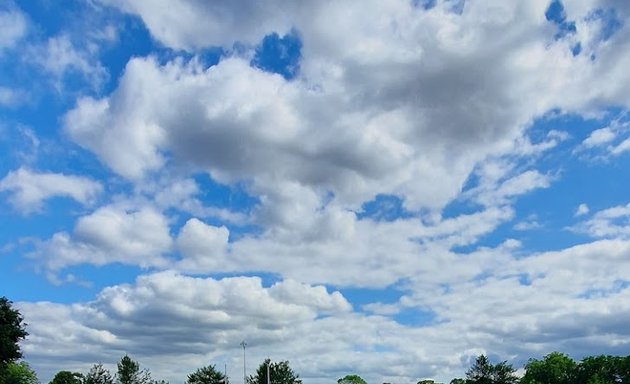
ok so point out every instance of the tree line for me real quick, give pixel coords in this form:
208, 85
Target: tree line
554, 368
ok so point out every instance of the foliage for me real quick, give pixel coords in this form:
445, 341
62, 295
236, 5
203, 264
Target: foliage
602, 370
18, 373
555, 368
458, 381
351, 379
11, 332
129, 372
279, 373
483, 372
207, 375
98, 375
67, 377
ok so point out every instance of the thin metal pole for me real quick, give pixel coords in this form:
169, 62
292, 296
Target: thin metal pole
244, 344
268, 378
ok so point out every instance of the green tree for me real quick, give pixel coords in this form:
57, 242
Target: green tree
426, 382
480, 372
279, 373
483, 372
11, 332
598, 370
67, 377
458, 381
98, 375
129, 372
18, 373
555, 368
207, 375
351, 379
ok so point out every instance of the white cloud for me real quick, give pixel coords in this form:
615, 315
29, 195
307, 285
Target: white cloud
14, 28
29, 189
394, 101
527, 225
582, 210
60, 57
612, 139
193, 316
599, 137
10, 97
608, 223
189, 25
623, 147
570, 300
111, 234
202, 246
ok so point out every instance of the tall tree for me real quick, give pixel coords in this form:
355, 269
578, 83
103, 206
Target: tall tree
207, 375
18, 373
351, 379
129, 372
67, 377
483, 372
555, 368
279, 373
480, 372
98, 375
11, 332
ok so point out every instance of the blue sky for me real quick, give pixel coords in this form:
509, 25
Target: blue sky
384, 188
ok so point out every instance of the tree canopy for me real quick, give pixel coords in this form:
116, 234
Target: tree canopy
18, 373
129, 372
483, 372
98, 375
555, 368
11, 332
351, 379
67, 377
279, 373
207, 375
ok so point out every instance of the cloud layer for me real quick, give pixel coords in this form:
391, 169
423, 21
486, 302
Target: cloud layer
378, 212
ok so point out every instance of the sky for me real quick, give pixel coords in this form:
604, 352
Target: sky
387, 188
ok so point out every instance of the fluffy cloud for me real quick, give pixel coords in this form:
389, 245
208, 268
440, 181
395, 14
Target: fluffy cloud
424, 107
398, 100
194, 316
29, 189
567, 300
111, 234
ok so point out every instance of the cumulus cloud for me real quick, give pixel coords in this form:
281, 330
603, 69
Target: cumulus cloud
425, 106
111, 234
567, 300
29, 189
195, 316
448, 94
